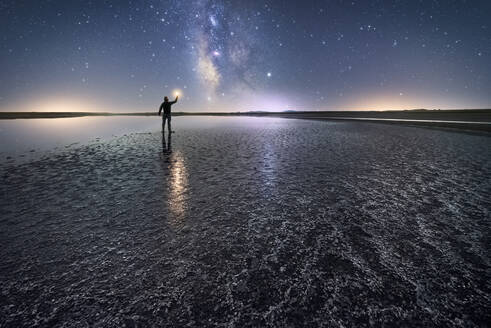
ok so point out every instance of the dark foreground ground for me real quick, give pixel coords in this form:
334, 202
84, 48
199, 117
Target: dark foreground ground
251, 223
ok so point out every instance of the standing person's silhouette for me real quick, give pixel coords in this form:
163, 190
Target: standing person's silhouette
166, 106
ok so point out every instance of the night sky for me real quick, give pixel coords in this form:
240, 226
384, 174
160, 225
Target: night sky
244, 55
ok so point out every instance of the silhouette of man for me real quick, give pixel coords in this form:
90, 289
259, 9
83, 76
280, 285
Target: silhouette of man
166, 106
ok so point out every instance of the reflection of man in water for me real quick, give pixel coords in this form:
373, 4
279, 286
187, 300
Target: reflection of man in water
167, 148
166, 105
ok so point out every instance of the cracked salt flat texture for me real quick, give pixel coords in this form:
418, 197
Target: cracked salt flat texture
251, 222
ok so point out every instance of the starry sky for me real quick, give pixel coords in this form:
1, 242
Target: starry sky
237, 55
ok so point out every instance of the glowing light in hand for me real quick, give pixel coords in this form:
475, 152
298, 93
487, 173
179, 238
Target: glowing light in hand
176, 93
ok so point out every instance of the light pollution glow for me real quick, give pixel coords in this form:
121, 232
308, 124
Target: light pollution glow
269, 102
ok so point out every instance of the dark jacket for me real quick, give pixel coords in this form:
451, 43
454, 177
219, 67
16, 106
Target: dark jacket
166, 106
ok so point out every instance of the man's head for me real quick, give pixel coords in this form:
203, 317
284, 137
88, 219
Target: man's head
166, 99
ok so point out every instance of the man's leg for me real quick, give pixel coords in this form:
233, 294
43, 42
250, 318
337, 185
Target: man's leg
168, 123
163, 123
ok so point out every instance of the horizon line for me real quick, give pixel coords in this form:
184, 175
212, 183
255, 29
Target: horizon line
2, 113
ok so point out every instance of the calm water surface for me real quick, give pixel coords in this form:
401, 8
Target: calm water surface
26, 139
22, 136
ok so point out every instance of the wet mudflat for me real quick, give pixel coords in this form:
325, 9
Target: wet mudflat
250, 222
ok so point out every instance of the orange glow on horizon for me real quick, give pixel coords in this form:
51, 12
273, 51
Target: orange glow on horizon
396, 102
55, 104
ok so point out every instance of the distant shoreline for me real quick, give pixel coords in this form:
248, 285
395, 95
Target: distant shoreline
467, 119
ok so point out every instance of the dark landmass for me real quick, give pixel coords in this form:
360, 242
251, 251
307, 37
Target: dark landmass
474, 115
478, 120
467, 119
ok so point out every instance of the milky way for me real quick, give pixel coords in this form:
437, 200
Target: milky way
245, 55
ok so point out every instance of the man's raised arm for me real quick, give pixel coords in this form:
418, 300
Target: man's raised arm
175, 100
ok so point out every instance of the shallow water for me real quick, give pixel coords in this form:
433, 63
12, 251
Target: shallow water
28, 139
247, 222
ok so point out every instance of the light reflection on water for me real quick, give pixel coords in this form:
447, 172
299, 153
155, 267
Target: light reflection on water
177, 181
178, 185
269, 165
